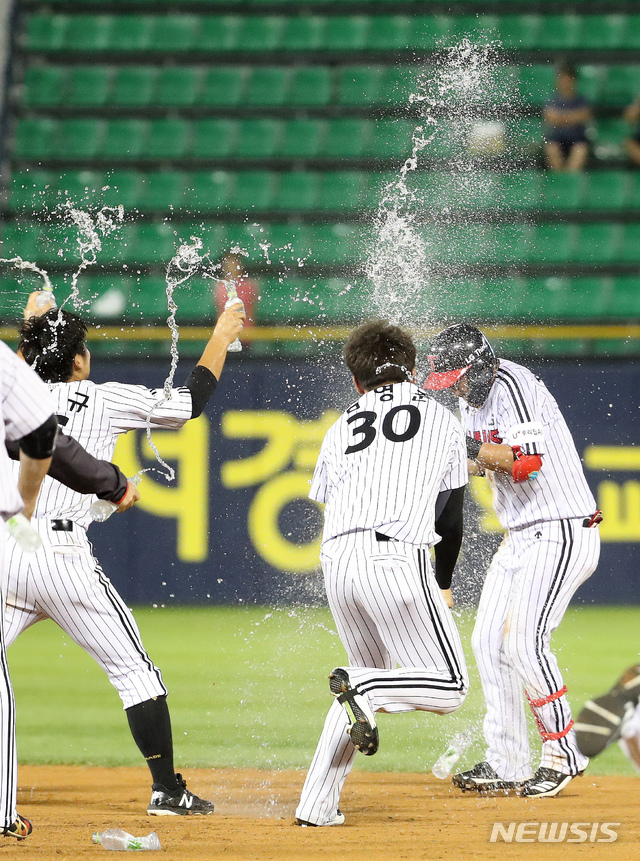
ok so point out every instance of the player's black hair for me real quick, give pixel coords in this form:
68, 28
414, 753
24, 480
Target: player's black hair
379, 352
567, 69
51, 342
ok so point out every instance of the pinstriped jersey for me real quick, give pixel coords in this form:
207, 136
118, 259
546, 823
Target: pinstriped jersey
384, 461
95, 415
25, 404
519, 400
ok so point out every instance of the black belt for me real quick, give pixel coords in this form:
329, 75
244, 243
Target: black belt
381, 537
62, 525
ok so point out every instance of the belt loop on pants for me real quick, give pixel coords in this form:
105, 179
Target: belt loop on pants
62, 525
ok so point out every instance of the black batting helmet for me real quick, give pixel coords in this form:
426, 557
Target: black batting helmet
458, 351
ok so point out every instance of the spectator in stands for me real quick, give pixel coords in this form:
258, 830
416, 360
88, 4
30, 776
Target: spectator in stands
234, 275
566, 116
632, 144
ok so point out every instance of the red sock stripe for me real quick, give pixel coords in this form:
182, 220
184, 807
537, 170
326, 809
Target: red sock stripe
536, 704
554, 736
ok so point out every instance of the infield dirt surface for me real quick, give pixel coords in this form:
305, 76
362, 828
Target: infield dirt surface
389, 817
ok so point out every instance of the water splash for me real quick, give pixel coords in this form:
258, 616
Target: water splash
91, 230
27, 266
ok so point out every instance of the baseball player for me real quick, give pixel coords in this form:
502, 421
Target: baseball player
392, 472
27, 415
614, 716
517, 436
63, 580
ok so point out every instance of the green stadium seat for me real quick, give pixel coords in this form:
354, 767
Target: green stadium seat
80, 186
268, 86
131, 33
304, 33
213, 138
209, 190
173, 32
166, 138
177, 86
123, 188
34, 138
478, 29
633, 190
389, 33
536, 83
427, 31
391, 138
519, 31
631, 32
522, 190
22, 239
621, 85
89, 33
43, 86
310, 85
246, 237
214, 239
254, 190
630, 245
602, 31
258, 138
598, 243
562, 191
625, 298
560, 32
590, 82
124, 139
32, 190
296, 190
610, 133
359, 85
340, 190
162, 190
45, 32
78, 138
223, 86
605, 189
397, 84
217, 33
154, 242
260, 33
553, 243
302, 138
587, 298
346, 138
132, 86
346, 32
87, 85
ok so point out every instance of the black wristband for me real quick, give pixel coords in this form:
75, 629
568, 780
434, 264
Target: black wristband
473, 447
40, 443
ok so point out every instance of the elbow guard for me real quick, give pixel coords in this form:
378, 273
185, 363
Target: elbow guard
525, 466
40, 443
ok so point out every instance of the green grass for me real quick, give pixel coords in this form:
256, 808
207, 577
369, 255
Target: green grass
248, 687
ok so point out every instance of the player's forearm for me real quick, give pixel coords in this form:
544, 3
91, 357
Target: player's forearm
227, 329
32, 471
496, 457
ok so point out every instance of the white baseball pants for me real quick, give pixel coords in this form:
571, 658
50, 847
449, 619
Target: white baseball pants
389, 611
530, 582
63, 581
8, 756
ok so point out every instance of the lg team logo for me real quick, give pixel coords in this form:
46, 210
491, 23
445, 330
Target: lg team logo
554, 832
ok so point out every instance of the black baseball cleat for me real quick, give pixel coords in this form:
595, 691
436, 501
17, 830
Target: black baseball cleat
546, 783
362, 731
600, 721
177, 802
482, 778
338, 819
19, 829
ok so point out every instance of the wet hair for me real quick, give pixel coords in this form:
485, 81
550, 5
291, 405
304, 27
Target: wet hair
51, 342
379, 352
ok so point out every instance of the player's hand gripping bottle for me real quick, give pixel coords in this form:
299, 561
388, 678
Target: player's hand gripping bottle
102, 509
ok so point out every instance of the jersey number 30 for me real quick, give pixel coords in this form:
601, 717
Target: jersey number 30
367, 432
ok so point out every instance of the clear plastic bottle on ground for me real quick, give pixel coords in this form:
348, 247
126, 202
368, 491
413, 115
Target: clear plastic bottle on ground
23, 532
120, 841
457, 746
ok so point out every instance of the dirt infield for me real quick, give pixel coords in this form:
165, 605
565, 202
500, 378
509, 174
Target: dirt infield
389, 817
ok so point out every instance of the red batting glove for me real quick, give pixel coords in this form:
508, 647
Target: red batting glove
525, 466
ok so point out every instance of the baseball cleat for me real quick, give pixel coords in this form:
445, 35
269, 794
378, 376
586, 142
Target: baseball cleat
482, 778
338, 819
600, 721
546, 783
362, 730
19, 829
179, 802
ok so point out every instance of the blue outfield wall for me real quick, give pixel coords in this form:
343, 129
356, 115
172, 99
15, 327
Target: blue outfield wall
236, 526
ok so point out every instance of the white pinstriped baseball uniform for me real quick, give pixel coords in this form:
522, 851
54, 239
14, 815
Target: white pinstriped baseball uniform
63, 580
25, 404
546, 555
380, 470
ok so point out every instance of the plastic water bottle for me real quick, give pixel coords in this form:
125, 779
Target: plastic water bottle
121, 841
102, 509
44, 298
457, 746
236, 346
23, 532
